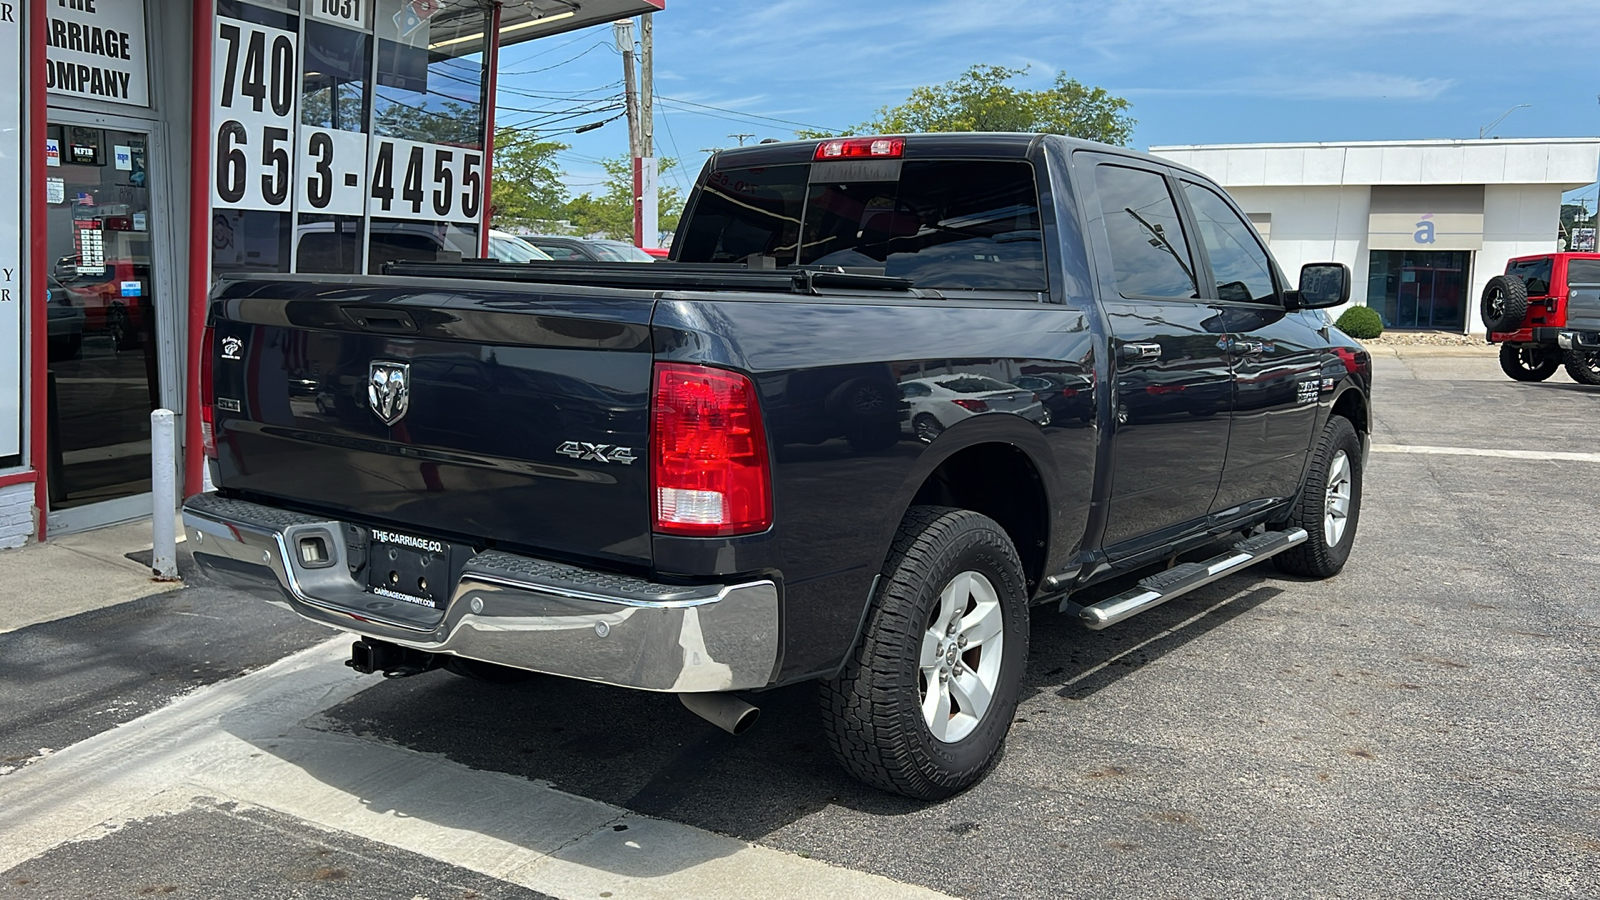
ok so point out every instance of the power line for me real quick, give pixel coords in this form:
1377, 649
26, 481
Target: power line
592, 48
749, 115
678, 154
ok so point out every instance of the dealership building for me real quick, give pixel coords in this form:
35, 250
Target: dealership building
157, 145
1423, 225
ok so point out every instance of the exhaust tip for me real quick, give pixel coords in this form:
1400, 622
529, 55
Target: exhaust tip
722, 710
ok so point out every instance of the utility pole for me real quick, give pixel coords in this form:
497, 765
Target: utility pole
649, 202
624, 36
740, 136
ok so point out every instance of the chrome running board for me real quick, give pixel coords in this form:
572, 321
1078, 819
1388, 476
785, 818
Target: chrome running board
1181, 579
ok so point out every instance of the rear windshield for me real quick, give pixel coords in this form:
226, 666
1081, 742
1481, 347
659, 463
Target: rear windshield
974, 384
616, 251
1583, 271
948, 224
1535, 273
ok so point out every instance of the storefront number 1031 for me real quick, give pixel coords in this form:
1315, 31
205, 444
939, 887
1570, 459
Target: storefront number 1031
257, 135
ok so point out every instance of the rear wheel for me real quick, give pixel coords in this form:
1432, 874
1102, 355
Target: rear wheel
1584, 367
923, 705
1504, 304
1524, 363
1329, 507
926, 427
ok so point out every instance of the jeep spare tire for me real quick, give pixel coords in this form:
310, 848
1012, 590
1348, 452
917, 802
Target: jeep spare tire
1505, 303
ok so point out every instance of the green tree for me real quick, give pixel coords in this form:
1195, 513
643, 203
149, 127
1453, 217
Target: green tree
611, 212
527, 191
983, 99
447, 122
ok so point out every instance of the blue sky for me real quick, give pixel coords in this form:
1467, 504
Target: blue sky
1196, 71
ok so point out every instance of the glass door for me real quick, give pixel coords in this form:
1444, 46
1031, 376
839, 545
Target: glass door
103, 356
1419, 288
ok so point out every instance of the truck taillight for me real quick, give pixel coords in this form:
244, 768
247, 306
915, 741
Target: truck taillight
861, 148
208, 394
709, 468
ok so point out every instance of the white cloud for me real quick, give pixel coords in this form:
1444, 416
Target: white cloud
1338, 86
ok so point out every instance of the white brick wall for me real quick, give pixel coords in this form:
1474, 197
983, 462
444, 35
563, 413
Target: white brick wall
16, 515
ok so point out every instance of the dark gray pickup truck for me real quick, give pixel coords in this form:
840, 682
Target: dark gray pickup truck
889, 396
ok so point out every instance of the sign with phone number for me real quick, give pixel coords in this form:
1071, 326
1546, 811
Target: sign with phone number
263, 160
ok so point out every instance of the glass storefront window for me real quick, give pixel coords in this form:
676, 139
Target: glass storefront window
405, 239
385, 141
337, 65
1419, 288
431, 73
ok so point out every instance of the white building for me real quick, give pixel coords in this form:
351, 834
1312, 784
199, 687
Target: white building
1422, 225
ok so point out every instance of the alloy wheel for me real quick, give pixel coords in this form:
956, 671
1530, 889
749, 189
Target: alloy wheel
1336, 511
959, 669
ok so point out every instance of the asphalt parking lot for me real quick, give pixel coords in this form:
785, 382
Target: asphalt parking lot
1424, 724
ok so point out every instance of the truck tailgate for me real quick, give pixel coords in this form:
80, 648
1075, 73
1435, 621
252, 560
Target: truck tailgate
464, 411
1583, 307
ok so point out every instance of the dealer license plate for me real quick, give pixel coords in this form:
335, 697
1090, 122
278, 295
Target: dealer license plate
408, 568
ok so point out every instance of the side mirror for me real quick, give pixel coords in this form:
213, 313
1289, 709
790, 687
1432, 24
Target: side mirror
1321, 285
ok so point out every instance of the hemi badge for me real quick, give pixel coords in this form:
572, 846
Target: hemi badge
227, 405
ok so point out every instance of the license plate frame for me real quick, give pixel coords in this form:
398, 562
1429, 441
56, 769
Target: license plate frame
409, 568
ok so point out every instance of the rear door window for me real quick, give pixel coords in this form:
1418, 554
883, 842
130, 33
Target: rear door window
946, 224
1535, 273
1150, 256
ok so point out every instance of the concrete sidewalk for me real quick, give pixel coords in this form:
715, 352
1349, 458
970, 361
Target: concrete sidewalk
76, 573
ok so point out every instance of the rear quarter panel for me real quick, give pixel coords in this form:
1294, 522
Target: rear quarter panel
844, 470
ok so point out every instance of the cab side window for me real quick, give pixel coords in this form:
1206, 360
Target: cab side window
1582, 271
1239, 265
1149, 253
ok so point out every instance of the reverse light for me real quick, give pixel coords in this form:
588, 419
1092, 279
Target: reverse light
971, 405
208, 393
861, 148
709, 469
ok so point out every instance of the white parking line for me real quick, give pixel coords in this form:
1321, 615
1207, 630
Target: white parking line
240, 740
1560, 455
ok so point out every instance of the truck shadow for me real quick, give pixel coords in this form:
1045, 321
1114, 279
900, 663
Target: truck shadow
646, 753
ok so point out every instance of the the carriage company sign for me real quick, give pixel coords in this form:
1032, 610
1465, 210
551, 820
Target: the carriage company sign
96, 48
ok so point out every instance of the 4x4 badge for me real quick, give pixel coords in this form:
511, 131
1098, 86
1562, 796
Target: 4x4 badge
606, 453
389, 390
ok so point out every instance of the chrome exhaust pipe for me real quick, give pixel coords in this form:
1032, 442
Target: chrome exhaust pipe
722, 710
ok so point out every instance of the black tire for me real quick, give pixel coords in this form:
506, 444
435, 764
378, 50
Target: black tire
1318, 556
926, 427
1525, 363
1584, 367
123, 337
488, 673
1504, 304
872, 712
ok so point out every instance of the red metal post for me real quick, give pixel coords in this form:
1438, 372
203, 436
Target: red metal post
199, 237
38, 252
491, 61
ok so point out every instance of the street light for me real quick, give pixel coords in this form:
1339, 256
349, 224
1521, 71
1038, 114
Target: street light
1484, 131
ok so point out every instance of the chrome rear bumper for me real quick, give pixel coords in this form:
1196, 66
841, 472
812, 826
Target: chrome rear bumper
506, 609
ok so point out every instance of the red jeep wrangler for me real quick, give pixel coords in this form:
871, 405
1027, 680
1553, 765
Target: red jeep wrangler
1525, 312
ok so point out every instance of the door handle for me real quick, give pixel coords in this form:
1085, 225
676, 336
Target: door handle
1246, 348
1133, 352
